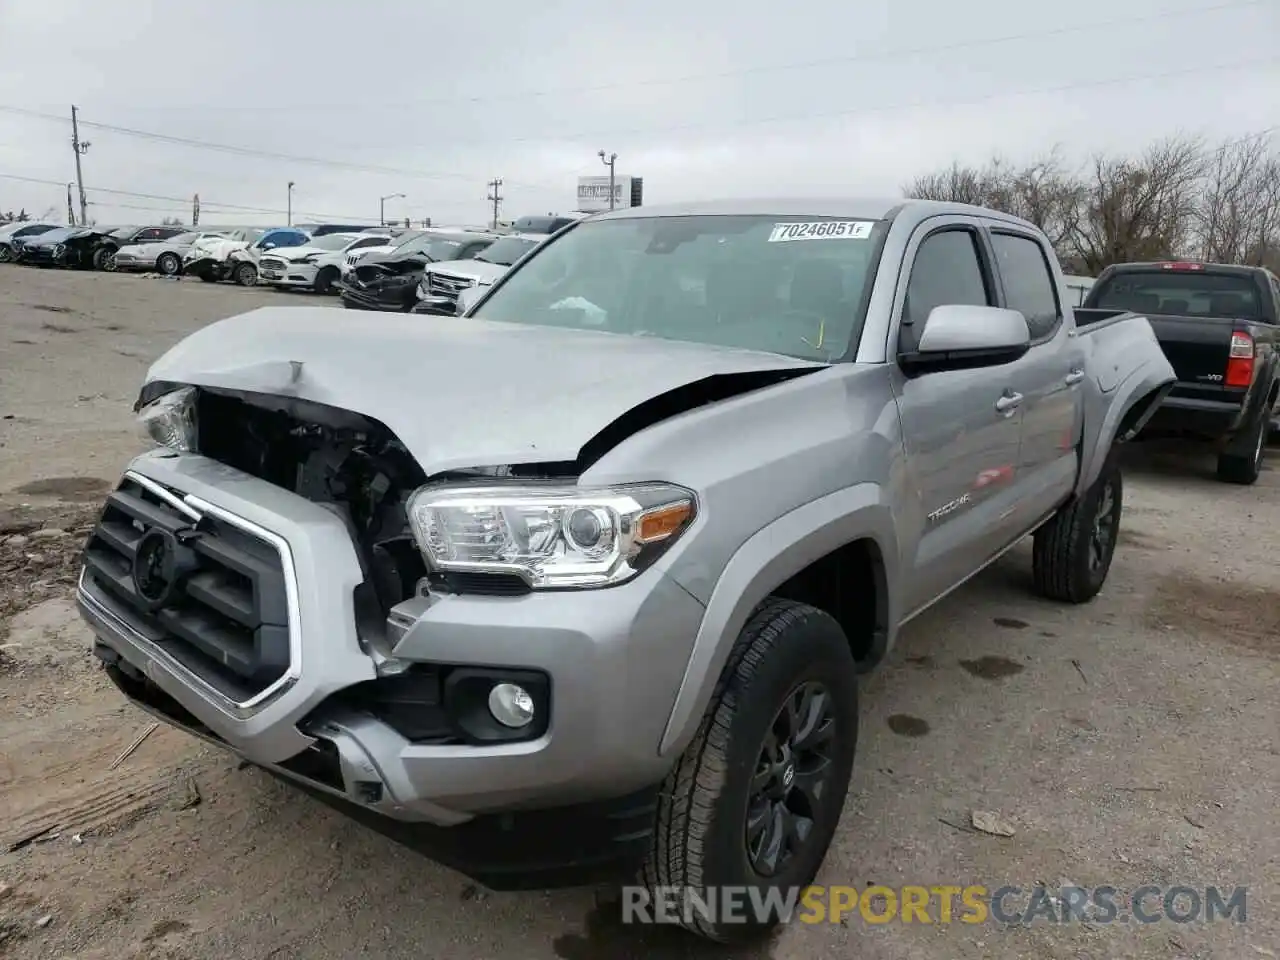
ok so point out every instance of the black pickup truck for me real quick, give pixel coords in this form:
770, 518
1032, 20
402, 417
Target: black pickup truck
1219, 326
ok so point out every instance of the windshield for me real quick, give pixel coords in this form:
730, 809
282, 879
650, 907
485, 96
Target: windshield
332, 241
1181, 294
507, 250
432, 246
756, 283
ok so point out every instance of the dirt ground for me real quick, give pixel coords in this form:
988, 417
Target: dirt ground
1132, 741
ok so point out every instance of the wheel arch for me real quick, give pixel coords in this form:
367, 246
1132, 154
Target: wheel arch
1119, 417
805, 555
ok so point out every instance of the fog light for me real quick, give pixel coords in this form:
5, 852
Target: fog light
510, 704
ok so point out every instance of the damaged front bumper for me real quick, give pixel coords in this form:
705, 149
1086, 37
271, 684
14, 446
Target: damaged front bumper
311, 711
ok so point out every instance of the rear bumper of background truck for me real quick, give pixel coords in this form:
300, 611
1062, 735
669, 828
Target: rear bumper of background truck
614, 660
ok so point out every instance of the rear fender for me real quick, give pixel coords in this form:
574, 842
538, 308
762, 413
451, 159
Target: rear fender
1117, 416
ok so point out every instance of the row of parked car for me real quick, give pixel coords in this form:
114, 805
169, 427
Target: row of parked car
372, 268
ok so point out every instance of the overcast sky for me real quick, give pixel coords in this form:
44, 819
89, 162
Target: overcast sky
703, 99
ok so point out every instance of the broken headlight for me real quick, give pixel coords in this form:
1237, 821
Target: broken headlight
549, 536
170, 420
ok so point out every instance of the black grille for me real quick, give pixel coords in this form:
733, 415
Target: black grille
226, 618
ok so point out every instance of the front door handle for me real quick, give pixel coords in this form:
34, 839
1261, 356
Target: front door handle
1009, 402
1074, 377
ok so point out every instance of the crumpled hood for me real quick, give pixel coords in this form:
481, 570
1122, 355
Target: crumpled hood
457, 392
480, 271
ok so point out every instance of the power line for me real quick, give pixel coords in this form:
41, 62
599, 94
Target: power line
698, 126
251, 151
226, 207
881, 56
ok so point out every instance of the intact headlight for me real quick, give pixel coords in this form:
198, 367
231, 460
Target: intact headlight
550, 536
170, 420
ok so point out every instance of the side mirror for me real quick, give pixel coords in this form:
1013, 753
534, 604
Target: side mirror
468, 297
964, 337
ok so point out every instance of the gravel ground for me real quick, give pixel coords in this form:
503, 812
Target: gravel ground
1132, 741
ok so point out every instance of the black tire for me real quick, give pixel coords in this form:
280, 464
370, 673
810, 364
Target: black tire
325, 279
104, 259
246, 274
1245, 469
701, 836
6, 253
168, 264
1072, 553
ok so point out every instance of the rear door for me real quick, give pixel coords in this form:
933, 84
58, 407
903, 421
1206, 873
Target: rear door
1048, 378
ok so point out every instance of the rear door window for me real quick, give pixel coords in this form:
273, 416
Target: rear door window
1028, 282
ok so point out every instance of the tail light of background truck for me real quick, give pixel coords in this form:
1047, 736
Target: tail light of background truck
1240, 361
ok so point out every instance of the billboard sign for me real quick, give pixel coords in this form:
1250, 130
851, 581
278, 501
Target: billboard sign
593, 193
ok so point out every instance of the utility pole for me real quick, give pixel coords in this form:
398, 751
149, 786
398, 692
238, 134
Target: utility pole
80, 149
609, 161
289, 209
495, 198
71, 210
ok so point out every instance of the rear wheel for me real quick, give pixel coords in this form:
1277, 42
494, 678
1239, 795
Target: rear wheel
1245, 468
755, 798
1072, 553
246, 275
168, 264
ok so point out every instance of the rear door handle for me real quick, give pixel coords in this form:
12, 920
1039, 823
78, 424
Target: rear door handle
1074, 377
1009, 402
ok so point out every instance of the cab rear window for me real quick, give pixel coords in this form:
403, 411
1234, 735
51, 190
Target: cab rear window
1168, 293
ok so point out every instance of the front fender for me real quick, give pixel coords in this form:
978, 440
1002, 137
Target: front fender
1117, 415
768, 558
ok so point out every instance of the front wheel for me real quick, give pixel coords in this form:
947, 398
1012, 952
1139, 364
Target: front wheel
1072, 553
168, 264
104, 259
754, 800
246, 275
325, 279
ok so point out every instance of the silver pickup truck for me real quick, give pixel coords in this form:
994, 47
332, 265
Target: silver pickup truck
586, 576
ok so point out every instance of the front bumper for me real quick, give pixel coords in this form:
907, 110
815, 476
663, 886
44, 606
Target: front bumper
364, 299
614, 659
292, 275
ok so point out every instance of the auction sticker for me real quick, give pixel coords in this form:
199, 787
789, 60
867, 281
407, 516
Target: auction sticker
822, 230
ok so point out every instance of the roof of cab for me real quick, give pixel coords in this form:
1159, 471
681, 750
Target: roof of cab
860, 208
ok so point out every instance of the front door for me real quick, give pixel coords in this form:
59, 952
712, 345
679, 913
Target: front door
960, 428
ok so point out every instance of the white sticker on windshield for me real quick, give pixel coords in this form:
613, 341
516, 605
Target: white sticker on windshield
822, 230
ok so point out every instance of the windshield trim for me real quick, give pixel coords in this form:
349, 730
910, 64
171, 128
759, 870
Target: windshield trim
875, 264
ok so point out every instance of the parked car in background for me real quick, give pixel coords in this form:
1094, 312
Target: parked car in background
588, 578
78, 247
397, 240
317, 264
105, 251
546, 224
442, 282
389, 281
325, 229
1219, 325
1077, 289
13, 235
161, 256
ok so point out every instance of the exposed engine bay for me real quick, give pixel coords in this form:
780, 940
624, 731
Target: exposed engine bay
347, 463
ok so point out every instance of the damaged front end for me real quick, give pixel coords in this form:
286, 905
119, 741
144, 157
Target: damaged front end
389, 287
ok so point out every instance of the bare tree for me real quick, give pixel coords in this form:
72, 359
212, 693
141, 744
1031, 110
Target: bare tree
1239, 217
